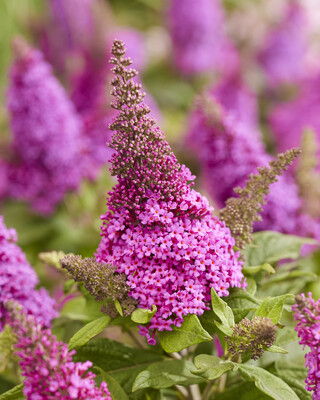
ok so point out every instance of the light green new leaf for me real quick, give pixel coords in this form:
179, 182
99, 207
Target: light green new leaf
276, 349
191, 332
16, 393
90, 330
270, 246
224, 328
253, 270
268, 383
164, 374
272, 307
118, 307
143, 315
221, 309
211, 367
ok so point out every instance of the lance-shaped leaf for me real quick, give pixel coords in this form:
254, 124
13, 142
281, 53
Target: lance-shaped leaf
221, 309
263, 267
90, 330
191, 332
268, 383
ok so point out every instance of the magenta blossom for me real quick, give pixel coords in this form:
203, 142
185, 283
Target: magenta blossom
47, 367
307, 314
158, 230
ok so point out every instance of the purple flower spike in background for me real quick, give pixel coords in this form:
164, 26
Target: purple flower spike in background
289, 120
18, 281
228, 152
283, 57
198, 37
47, 143
158, 230
46, 364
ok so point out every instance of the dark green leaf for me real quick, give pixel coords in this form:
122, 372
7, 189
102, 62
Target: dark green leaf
191, 332
268, 383
241, 303
270, 246
211, 367
90, 330
116, 391
122, 362
221, 309
143, 315
164, 374
15, 393
243, 391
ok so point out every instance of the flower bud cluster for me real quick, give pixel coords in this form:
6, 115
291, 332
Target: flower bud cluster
102, 281
252, 335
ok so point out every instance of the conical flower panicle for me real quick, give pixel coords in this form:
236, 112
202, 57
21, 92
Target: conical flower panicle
158, 231
143, 160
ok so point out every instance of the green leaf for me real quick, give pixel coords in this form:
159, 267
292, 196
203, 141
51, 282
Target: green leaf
268, 383
242, 391
270, 246
164, 374
90, 330
276, 349
285, 276
116, 391
120, 361
118, 307
221, 309
143, 315
191, 332
241, 303
253, 270
15, 393
286, 335
293, 375
272, 307
211, 367
224, 328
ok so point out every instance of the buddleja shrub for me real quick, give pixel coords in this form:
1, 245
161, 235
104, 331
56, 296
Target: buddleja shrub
213, 306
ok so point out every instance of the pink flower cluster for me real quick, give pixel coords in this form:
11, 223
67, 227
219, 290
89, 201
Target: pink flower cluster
307, 313
283, 57
48, 369
198, 37
18, 281
47, 141
229, 148
159, 231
